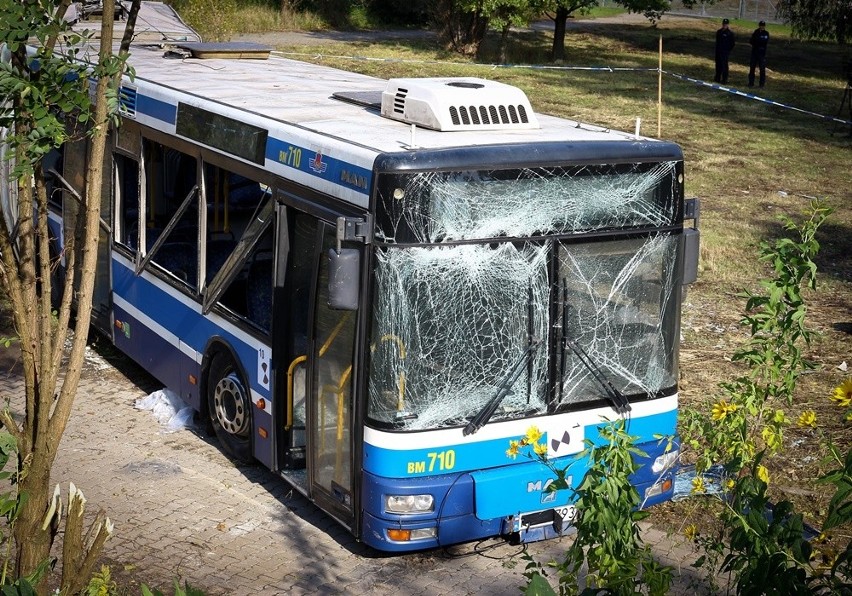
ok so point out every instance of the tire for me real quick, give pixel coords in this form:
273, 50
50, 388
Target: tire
230, 408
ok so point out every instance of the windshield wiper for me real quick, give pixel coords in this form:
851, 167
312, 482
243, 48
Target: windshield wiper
504, 389
619, 402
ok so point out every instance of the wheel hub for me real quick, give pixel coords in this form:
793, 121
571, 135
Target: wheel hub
231, 405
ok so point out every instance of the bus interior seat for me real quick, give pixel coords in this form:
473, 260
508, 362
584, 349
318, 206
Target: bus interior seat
181, 259
243, 193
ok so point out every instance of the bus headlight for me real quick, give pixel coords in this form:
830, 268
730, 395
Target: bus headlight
665, 461
409, 503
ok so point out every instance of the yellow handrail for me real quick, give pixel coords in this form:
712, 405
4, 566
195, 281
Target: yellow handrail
339, 390
299, 359
290, 372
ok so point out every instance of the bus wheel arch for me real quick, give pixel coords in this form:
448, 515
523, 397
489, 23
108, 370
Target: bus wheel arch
228, 404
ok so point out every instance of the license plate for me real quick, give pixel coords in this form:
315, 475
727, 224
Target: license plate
567, 513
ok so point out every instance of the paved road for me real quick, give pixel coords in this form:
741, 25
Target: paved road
183, 510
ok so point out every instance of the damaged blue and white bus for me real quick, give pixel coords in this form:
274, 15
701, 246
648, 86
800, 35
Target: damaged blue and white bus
373, 286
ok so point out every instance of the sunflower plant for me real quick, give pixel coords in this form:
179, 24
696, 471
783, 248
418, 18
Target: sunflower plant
747, 422
607, 553
747, 419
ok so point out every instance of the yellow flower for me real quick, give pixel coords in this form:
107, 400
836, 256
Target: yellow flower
763, 474
540, 449
512, 451
807, 419
698, 486
842, 395
722, 409
690, 531
533, 435
730, 484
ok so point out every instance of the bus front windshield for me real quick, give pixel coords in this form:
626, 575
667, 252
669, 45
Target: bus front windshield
536, 308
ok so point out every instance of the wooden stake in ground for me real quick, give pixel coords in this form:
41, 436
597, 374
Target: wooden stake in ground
660, 92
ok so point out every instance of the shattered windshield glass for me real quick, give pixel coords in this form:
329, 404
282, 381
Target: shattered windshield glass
528, 202
450, 323
619, 303
473, 268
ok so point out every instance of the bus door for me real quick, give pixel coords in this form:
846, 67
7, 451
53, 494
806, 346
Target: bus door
320, 349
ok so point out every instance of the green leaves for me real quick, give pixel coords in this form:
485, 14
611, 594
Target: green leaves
43, 90
840, 508
608, 540
766, 549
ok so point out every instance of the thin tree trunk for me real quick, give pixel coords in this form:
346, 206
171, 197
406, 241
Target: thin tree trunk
47, 413
560, 20
504, 42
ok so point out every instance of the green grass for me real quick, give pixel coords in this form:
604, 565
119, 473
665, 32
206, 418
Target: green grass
597, 12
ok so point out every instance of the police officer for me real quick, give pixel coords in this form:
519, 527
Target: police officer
759, 41
725, 40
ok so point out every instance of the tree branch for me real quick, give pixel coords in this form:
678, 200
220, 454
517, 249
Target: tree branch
94, 186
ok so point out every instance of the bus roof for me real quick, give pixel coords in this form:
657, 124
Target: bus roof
295, 104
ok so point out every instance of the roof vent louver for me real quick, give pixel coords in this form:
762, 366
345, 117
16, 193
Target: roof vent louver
127, 101
457, 104
399, 101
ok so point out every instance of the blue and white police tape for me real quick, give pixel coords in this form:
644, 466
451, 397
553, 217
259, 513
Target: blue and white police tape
754, 97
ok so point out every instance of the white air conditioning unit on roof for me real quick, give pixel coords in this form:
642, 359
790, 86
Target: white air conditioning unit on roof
463, 103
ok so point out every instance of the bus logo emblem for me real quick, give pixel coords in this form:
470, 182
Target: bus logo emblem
547, 496
317, 164
555, 444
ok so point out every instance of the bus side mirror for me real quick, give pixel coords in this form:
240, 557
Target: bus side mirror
691, 242
343, 274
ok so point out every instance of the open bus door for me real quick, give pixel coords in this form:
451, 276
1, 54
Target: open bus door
318, 341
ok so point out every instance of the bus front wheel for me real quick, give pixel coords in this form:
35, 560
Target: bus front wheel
229, 405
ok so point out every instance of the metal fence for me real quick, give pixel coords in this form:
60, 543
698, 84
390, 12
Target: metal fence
754, 10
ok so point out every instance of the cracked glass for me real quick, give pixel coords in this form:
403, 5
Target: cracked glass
473, 268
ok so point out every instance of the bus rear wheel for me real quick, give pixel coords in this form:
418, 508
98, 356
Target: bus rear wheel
229, 405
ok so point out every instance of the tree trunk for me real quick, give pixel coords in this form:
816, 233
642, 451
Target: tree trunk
560, 21
504, 42
42, 340
33, 543
459, 28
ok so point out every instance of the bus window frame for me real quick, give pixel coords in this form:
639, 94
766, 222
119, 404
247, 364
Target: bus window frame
260, 221
193, 194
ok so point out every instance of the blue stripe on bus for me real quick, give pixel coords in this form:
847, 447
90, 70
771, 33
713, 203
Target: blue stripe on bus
178, 318
317, 164
466, 457
155, 108
392, 463
157, 354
